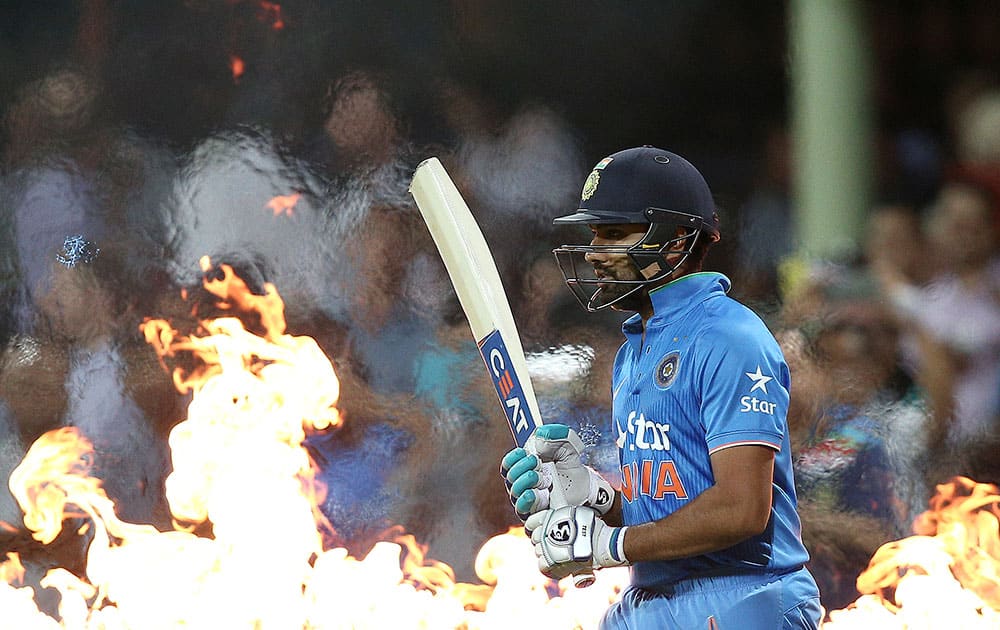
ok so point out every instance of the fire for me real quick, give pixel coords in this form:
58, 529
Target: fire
237, 67
240, 468
270, 12
283, 204
946, 576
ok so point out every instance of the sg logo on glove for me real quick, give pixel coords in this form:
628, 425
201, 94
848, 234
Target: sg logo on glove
562, 532
572, 539
603, 496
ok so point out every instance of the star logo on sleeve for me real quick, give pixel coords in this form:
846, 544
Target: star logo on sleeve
759, 380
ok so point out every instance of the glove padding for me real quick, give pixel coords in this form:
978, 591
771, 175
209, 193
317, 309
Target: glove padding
548, 472
574, 539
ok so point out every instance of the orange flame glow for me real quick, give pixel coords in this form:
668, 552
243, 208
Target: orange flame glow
11, 569
239, 465
237, 67
946, 576
283, 204
270, 12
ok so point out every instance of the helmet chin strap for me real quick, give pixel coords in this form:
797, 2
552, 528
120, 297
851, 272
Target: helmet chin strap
624, 296
649, 273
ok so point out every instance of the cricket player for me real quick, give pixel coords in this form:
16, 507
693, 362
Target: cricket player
706, 513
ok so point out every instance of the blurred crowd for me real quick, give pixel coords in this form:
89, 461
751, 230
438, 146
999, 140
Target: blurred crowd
895, 349
104, 227
894, 352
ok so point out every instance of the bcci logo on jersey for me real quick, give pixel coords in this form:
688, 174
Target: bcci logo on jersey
666, 370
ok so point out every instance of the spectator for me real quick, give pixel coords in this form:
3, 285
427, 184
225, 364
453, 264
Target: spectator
766, 223
70, 359
953, 327
859, 422
894, 242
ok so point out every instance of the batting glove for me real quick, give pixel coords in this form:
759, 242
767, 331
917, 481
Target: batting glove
548, 472
570, 540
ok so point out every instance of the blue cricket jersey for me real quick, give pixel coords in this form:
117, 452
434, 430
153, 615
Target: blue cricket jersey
708, 376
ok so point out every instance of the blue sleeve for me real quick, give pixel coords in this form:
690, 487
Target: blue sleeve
744, 386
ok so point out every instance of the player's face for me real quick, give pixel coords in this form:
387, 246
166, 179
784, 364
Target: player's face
615, 265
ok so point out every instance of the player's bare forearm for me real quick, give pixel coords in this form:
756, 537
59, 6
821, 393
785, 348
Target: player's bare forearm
614, 515
735, 508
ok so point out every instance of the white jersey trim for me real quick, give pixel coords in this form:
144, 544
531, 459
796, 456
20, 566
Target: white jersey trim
771, 445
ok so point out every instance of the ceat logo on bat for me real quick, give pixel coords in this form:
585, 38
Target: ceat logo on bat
505, 380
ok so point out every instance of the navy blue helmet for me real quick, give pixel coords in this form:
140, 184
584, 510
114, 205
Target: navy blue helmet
646, 186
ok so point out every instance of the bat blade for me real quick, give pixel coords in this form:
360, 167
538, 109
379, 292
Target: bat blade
474, 275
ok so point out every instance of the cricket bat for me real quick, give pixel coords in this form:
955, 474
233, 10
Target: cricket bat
474, 275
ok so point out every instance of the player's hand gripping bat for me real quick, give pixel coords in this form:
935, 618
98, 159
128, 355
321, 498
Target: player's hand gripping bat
477, 282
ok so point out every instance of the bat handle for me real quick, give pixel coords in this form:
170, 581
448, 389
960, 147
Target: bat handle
583, 580
556, 499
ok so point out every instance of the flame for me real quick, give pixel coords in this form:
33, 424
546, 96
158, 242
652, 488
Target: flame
270, 12
283, 204
11, 569
239, 466
17, 601
946, 576
237, 67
